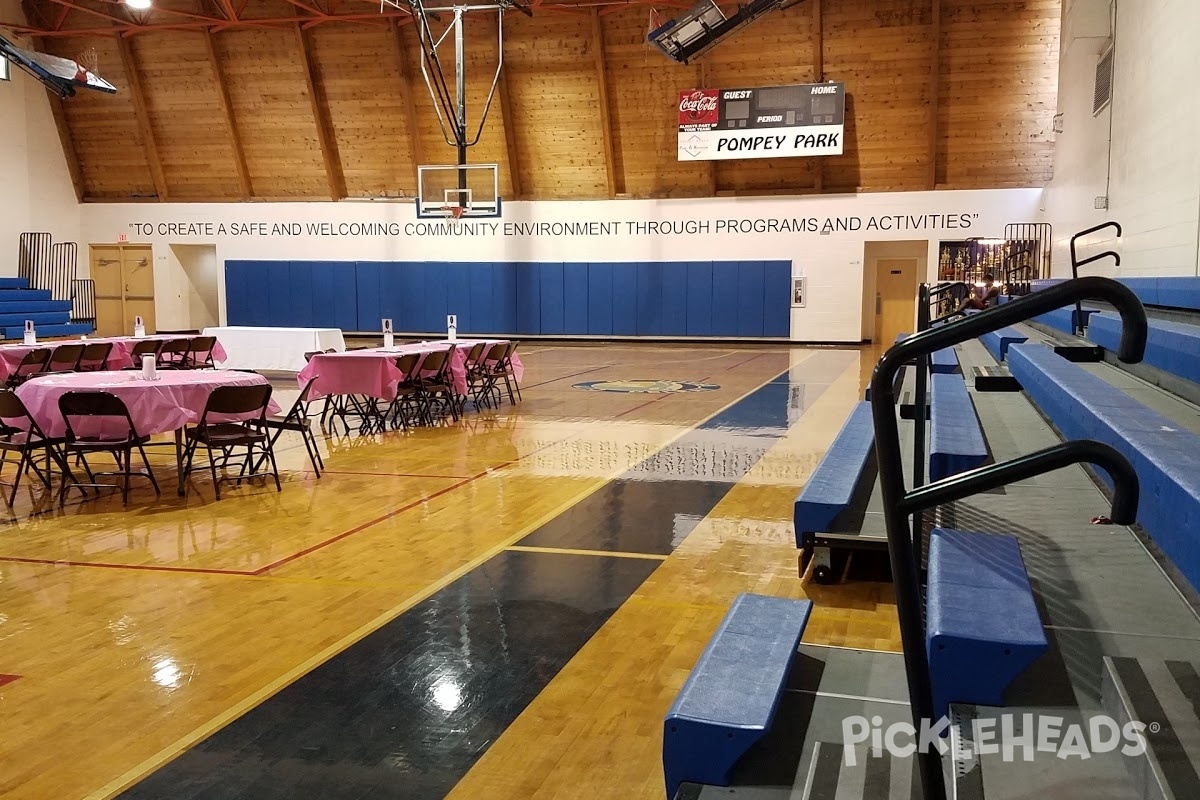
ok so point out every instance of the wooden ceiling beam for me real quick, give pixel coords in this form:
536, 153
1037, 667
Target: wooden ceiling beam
935, 74
613, 181
226, 104
408, 97
510, 135
325, 136
142, 112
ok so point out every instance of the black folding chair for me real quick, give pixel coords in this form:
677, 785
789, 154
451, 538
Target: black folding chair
65, 358
99, 422
297, 421
94, 357
34, 363
405, 401
172, 354
146, 347
199, 353
215, 435
435, 386
19, 433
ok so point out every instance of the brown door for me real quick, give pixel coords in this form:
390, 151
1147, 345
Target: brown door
895, 298
124, 276
137, 264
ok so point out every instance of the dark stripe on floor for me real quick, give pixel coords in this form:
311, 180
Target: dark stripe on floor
406, 711
1172, 759
655, 504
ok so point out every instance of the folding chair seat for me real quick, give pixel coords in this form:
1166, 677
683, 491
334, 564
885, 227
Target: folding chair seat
199, 353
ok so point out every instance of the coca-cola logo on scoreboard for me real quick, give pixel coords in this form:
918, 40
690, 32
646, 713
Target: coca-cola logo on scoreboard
698, 107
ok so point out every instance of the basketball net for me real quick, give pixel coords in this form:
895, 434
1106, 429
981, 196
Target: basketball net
455, 211
89, 60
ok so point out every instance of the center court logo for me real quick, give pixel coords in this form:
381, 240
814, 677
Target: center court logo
1003, 736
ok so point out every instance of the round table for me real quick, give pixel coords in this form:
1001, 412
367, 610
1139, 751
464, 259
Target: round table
175, 399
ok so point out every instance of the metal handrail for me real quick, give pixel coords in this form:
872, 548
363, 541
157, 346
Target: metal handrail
942, 288
898, 502
1077, 323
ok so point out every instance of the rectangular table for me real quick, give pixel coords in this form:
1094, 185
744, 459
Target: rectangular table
11, 355
373, 372
280, 349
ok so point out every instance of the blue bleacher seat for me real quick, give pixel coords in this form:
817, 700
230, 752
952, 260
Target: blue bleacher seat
983, 627
955, 439
997, 342
1173, 347
729, 700
944, 362
1063, 319
830, 488
23, 295
31, 306
1167, 459
14, 283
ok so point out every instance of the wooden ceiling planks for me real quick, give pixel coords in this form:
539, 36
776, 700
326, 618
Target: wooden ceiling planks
243, 120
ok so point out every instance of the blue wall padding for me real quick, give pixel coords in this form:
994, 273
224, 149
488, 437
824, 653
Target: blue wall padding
654, 298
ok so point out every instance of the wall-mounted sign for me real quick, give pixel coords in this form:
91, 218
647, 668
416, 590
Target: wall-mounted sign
768, 122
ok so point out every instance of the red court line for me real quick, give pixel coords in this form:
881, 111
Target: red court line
564, 377
143, 567
8, 679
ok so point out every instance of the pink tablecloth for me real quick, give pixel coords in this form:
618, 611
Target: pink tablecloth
12, 354
373, 372
175, 399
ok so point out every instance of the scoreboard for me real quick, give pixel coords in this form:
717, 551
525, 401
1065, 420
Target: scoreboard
766, 122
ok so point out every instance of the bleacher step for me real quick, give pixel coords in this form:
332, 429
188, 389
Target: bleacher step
873, 776
1165, 696
994, 379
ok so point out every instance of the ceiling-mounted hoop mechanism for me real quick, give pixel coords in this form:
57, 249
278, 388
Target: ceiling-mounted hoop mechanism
451, 107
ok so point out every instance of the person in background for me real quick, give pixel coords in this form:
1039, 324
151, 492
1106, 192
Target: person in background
990, 291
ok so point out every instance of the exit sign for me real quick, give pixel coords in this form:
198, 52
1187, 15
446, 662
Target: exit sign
122, 238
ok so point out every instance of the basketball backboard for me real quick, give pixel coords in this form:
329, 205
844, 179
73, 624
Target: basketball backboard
61, 75
470, 190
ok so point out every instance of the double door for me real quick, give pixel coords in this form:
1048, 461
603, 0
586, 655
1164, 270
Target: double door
124, 276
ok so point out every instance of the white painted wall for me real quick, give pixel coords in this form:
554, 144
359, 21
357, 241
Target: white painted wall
195, 283
699, 230
1150, 167
35, 188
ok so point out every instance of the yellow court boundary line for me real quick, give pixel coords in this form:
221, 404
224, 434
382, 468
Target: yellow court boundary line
567, 551
149, 765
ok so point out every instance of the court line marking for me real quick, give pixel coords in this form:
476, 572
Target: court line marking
256, 698
568, 551
64, 562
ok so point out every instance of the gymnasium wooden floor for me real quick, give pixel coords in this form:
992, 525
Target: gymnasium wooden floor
503, 608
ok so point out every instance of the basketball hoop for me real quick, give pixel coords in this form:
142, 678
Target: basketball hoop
455, 211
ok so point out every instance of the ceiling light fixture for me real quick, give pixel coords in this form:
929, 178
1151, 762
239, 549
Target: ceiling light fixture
140, 5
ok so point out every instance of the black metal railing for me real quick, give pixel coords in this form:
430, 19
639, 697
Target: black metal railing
899, 503
1030, 244
83, 301
1076, 263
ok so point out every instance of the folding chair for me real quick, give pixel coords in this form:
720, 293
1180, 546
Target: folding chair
19, 433
34, 363
226, 401
94, 357
296, 420
509, 375
438, 386
65, 358
406, 390
481, 379
146, 347
172, 354
99, 422
199, 353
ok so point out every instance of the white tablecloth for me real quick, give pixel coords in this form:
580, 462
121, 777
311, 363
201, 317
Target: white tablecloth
273, 348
